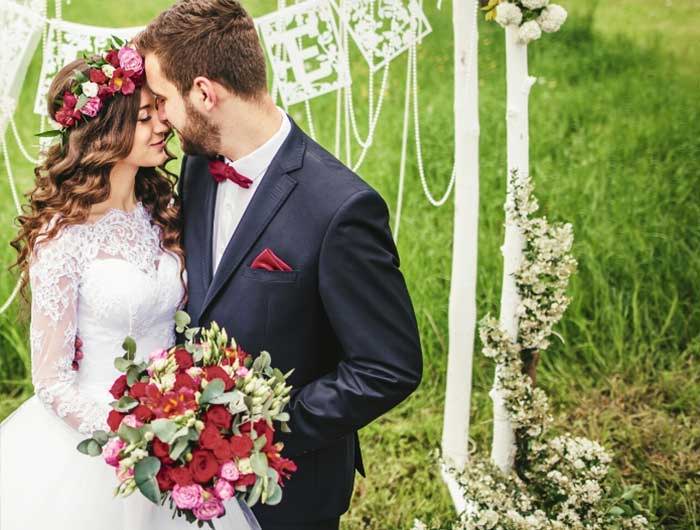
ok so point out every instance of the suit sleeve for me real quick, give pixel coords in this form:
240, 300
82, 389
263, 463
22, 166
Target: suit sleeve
369, 308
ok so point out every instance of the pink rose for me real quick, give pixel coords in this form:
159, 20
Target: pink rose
229, 471
209, 509
111, 450
223, 489
92, 107
242, 371
131, 421
130, 60
187, 497
124, 474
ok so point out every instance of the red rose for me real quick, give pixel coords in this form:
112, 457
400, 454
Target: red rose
203, 465
112, 58
241, 446
216, 372
97, 76
209, 437
181, 475
119, 387
162, 450
165, 481
184, 380
219, 416
263, 429
138, 390
143, 413
104, 91
222, 451
114, 419
183, 359
245, 480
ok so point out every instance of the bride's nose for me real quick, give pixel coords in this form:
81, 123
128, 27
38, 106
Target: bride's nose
160, 126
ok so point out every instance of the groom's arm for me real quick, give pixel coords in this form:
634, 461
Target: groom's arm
368, 306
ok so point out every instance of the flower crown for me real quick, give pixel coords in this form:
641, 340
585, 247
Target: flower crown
118, 70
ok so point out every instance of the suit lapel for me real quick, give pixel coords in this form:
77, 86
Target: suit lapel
209, 206
274, 189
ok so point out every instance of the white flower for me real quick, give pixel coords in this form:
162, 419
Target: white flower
529, 31
108, 70
508, 13
89, 89
551, 18
534, 4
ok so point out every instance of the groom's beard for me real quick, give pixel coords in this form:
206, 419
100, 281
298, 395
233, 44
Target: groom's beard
198, 136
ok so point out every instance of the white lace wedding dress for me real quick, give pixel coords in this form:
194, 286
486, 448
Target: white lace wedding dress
102, 281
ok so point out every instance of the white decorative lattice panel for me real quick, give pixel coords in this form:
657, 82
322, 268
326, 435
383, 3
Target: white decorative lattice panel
383, 29
303, 47
64, 42
21, 31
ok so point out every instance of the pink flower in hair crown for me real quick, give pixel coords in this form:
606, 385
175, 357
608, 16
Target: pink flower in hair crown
117, 70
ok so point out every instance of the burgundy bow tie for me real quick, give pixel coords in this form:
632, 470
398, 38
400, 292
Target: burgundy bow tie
221, 171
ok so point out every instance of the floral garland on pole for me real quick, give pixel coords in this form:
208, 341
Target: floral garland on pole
533, 16
557, 482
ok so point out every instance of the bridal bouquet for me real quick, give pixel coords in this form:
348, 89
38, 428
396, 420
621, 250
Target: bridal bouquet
195, 424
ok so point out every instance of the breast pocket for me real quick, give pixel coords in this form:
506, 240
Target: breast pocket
263, 275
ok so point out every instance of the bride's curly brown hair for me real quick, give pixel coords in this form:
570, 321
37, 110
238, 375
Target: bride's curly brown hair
72, 178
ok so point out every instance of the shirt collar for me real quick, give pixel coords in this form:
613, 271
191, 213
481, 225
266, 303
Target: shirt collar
254, 164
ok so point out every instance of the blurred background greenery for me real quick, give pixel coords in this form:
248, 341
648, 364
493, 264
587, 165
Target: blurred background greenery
615, 149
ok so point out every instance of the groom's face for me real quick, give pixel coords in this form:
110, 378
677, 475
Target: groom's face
198, 135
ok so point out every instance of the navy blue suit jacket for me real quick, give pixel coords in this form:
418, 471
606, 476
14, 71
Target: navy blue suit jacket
342, 318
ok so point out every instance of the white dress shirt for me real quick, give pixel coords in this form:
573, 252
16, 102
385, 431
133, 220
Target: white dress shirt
232, 199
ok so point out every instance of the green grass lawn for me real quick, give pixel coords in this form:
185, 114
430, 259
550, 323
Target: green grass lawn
615, 150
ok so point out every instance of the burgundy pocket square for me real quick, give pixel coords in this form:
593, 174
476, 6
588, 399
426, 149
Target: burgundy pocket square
267, 260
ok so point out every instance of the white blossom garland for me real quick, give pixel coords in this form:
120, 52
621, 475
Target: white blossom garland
558, 482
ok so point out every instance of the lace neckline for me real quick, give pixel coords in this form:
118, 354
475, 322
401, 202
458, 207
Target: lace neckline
138, 209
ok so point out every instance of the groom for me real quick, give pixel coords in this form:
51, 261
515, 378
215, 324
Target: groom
287, 248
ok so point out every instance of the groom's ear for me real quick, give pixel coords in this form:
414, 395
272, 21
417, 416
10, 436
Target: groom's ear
204, 94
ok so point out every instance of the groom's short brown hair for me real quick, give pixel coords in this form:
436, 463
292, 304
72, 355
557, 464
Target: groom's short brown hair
211, 38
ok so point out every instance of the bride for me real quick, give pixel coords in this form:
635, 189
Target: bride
100, 242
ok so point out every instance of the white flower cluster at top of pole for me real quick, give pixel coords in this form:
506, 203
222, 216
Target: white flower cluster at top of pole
533, 16
557, 482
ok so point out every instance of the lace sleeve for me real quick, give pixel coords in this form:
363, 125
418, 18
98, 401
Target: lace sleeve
54, 275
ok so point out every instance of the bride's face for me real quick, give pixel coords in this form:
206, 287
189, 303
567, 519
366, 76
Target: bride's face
149, 138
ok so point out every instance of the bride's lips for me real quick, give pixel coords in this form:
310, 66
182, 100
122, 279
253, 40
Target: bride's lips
159, 145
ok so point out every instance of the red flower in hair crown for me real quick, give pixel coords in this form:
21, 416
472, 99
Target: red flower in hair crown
118, 70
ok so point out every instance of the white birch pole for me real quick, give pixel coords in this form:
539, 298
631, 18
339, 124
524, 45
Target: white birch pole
518, 84
462, 304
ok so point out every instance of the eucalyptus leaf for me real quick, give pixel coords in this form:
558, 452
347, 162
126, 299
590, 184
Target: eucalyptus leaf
254, 494
178, 448
101, 437
90, 447
164, 429
129, 346
125, 404
285, 428
130, 434
145, 472
275, 497
182, 320
258, 462
226, 397
122, 364
259, 443
132, 374
214, 388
